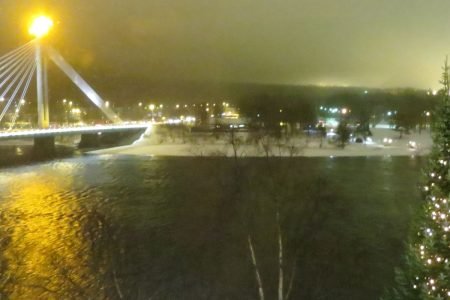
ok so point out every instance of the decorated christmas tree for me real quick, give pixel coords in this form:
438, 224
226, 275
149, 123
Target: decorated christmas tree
426, 274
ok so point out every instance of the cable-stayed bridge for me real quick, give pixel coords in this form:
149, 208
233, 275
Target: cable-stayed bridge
17, 70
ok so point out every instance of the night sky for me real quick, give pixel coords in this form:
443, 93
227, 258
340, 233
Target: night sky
375, 43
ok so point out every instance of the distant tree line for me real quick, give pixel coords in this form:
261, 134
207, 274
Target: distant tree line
407, 107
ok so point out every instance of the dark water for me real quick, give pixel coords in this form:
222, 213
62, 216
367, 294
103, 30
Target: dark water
118, 227
22, 153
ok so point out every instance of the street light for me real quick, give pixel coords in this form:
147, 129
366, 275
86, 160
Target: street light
152, 108
40, 26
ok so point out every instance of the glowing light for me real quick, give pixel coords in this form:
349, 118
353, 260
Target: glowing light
40, 26
70, 130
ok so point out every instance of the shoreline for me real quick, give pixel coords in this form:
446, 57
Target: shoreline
148, 146
182, 150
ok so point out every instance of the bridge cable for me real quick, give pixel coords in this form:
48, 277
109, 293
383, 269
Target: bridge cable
13, 66
13, 59
22, 73
26, 45
22, 96
16, 52
17, 67
87, 90
13, 96
15, 76
24, 65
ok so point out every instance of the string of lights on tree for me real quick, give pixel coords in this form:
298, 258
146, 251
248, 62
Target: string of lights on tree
427, 271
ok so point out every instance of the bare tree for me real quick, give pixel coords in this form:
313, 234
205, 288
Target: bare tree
273, 149
235, 141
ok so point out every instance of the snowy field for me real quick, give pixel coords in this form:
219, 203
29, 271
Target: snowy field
385, 142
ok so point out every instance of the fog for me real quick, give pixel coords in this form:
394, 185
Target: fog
374, 43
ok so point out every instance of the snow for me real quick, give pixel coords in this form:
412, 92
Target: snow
150, 145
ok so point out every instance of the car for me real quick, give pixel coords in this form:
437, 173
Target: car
387, 141
412, 145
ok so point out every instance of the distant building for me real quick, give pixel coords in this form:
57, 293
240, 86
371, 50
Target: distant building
230, 118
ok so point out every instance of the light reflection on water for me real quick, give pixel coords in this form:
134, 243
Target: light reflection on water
47, 249
135, 228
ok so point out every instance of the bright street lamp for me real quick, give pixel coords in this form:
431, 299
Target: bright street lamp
40, 26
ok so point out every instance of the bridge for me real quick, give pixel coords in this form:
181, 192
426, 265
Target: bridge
17, 69
81, 130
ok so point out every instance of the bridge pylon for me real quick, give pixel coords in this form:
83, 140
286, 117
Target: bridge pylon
42, 87
18, 67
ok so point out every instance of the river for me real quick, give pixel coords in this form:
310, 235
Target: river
130, 227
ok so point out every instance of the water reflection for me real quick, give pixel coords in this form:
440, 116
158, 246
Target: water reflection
48, 243
12, 155
135, 228
19, 151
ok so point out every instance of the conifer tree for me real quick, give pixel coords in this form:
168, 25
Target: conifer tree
426, 274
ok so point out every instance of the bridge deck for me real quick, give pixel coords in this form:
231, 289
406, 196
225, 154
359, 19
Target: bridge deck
32, 133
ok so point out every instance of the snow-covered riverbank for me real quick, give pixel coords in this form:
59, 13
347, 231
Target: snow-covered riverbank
148, 146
